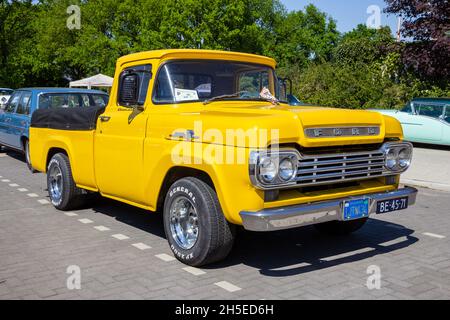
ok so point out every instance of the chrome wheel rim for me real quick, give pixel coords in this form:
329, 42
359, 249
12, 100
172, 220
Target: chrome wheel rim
184, 222
56, 182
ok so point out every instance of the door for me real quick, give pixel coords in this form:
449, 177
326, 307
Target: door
421, 122
6, 131
119, 141
20, 120
427, 117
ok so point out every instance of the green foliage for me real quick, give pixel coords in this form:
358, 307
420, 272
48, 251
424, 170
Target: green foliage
363, 68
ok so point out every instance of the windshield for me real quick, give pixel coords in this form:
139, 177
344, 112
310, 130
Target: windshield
191, 81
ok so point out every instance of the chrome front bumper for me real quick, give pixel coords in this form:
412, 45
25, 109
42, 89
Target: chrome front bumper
314, 213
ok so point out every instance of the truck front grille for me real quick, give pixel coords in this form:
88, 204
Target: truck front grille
332, 168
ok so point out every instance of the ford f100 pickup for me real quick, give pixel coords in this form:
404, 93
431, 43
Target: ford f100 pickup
208, 139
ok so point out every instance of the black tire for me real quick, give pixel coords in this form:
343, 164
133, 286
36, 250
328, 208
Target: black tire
340, 228
215, 234
71, 197
26, 151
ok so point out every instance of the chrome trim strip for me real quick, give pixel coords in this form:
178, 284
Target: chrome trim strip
313, 213
348, 131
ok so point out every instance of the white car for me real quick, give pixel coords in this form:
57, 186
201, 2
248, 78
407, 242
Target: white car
5, 93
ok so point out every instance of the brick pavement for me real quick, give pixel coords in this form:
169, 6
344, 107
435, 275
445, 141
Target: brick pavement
38, 244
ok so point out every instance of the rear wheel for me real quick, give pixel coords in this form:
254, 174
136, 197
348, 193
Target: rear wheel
63, 192
195, 226
340, 228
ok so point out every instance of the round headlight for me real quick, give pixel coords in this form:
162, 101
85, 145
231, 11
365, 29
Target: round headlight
287, 169
391, 159
404, 158
268, 169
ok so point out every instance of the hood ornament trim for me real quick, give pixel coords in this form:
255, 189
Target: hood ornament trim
335, 132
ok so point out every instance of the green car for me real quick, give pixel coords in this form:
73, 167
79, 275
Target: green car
424, 120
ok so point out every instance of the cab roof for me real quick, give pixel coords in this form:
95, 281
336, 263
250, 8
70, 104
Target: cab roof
197, 54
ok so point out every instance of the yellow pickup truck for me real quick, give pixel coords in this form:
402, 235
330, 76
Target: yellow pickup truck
208, 139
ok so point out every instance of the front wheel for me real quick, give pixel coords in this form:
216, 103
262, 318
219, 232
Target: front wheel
63, 192
195, 227
340, 228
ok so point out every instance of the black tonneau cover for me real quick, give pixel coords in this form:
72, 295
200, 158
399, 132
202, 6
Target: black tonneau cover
83, 119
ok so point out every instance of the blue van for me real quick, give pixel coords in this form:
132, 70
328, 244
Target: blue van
16, 115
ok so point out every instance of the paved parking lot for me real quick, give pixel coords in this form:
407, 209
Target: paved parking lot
122, 253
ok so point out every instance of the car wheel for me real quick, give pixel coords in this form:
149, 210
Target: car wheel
26, 148
195, 227
63, 192
340, 228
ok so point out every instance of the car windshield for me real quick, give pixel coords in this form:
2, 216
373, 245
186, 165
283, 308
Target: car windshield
5, 92
429, 110
192, 81
72, 100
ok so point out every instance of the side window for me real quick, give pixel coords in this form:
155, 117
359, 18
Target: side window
133, 85
100, 100
24, 102
433, 111
13, 102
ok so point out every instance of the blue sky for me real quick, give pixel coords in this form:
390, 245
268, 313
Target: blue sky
347, 13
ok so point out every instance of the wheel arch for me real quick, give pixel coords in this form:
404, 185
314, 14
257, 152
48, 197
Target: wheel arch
177, 173
52, 151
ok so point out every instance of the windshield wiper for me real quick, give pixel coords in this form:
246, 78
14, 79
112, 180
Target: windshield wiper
224, 96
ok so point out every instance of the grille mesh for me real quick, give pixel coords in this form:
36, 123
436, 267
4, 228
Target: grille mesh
323, 169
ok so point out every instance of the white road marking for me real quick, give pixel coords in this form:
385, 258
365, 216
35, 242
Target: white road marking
85, 221
43, 201
433, 235
348, 254
6, 180
22, 190
70, 214
165, 257
392, 242
32, 195
194, 271
102, 228
14, 185
120, 236
141, 246
227, 286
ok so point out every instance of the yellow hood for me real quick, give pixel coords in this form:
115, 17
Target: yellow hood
288, 123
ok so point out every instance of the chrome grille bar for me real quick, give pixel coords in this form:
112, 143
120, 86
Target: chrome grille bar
331, 168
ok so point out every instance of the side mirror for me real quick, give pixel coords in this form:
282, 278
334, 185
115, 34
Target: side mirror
129, 89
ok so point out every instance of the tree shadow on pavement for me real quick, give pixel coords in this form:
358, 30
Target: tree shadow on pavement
283, 253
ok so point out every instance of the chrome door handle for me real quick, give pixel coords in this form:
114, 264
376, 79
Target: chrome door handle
104, 118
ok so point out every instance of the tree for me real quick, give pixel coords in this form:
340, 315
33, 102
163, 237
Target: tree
425, 22
304, 36
15, 36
